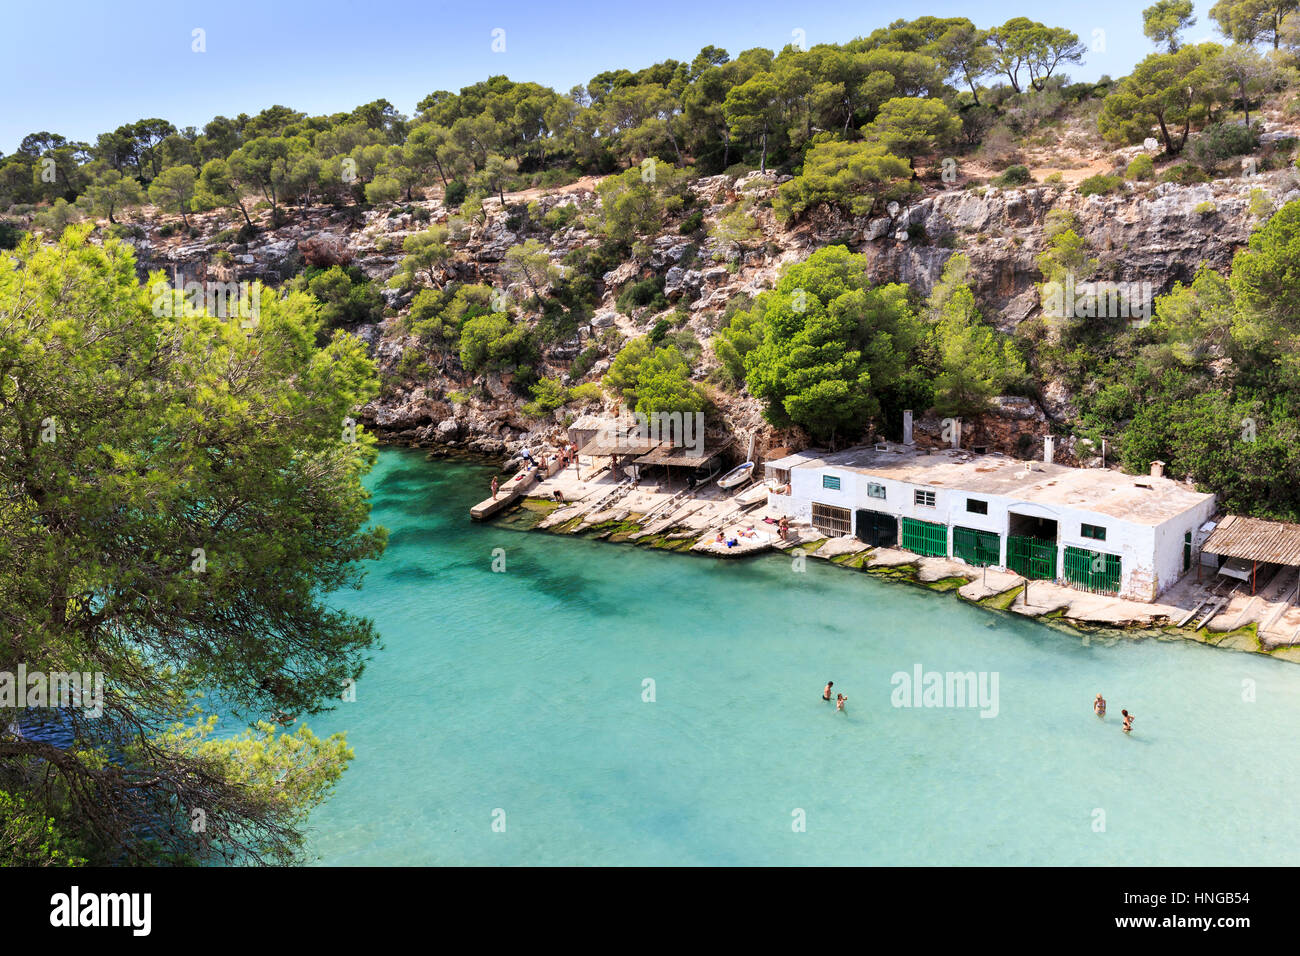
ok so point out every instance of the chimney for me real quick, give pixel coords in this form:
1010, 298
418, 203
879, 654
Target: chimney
956, 433
1157, 469
907, 427
1049, 443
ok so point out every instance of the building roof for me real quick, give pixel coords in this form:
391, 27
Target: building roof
1139, 499
1254, 539
681, 457
606, 444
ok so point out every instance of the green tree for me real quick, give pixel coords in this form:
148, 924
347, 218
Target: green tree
530, 264
1165, 19
854, 176
173, 190
653, 378
1168, 90
111, 192
216, 189
753, 108
832, 345
910, 126
200, 503
1252, 21
974, 362
426, 253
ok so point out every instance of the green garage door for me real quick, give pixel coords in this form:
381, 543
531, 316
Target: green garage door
979, 548
1092, 570
925, 537
1035, 558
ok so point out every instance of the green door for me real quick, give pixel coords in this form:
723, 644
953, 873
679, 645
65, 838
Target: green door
980, 548
925, 537
1034, 558
1092, 570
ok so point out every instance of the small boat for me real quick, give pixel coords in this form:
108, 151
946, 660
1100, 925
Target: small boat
752, 496
737, 476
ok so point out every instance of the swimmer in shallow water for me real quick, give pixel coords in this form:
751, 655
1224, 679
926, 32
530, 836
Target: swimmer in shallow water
826, 693
1128, 721
840, 701
1099, 706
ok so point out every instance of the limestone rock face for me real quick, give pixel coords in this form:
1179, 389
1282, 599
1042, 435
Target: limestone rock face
1156, 233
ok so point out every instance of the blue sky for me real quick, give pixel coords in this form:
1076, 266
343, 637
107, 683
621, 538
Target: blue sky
82, 67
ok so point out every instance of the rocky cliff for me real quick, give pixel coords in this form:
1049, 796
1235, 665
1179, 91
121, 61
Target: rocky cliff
1157, 233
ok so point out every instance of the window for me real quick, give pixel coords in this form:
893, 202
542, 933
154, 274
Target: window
925, 498
1093, 531
831, 520
831, 481
875, 491
977, 507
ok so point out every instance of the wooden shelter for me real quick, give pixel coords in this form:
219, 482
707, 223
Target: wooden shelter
1250, 542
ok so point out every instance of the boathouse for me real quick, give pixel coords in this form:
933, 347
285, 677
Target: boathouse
1091, 528
1243, 548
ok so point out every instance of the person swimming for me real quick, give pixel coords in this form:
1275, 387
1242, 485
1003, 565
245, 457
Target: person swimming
1099, 706
1128, 721
826, 693
840, 701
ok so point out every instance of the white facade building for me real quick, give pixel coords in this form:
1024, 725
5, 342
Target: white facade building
1095, 529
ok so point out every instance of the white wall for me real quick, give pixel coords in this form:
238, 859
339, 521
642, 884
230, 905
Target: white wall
1151, 557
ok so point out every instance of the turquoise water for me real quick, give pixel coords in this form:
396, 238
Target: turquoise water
521, 691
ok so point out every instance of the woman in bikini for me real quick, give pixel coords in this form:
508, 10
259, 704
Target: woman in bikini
1099, 706
1128, 721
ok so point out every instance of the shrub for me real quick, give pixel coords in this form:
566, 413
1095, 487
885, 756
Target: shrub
1261, 204
455, 193
1142, 167
1221, 141
122, 230
588, 393
1016, 175
10, 235
324, 253
691, 223
560, 216
346, 295
1100, 185
548, 395
647, 292
1054, 179
584, 361
1206, 208
1185, 174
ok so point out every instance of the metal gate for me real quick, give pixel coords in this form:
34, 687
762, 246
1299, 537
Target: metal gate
1034, 558
980, 548
925, 537
1092, 570
877, 528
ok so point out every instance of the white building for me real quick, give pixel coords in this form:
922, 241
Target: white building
1091, 528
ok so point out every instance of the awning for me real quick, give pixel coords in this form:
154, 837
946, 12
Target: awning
608, 444
1254, 539
681, 457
